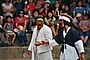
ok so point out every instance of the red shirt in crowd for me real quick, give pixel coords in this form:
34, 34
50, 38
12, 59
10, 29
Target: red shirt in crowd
20, 22
31, 7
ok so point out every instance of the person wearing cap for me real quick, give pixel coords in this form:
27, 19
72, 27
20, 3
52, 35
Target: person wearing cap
39, 44
20, 22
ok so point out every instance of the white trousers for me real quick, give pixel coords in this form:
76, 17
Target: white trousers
45, 56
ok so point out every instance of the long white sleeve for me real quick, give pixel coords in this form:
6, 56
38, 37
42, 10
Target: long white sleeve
53, 43
79, 46
32, 40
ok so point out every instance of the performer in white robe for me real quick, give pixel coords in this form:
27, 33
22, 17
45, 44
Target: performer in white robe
43, 49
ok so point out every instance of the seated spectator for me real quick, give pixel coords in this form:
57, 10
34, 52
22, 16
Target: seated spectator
31, 24
87, 8
67, 8
44, 9
20, 22
7, 8
39, 2
56, 9
2, 38
73, 5
84, 28
79, 9
50, 21
29, 7
18, 6
8, 27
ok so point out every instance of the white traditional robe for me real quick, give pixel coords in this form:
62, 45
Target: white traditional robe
44, 33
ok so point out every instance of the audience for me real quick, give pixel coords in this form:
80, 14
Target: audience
8, 27
20, 22
49, 9
84, 25
7, 8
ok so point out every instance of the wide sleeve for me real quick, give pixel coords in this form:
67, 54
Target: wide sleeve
32, 40
79, 46
58, 38
78, 42
49, 37
48, 34
31, 43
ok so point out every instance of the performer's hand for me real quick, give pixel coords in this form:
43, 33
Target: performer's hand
29, 52
82, 56
38, 43
45, 42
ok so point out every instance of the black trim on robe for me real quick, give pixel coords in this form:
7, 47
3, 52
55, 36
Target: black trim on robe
70, 39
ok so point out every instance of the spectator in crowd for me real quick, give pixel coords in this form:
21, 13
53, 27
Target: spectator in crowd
62, 8
56, 10
79, 9
20, 22
73, 5
39, 2
38, 45
32, 23
2, 38
50, 21
44, 9
86, 6
29, 6
7, 8
8, 27
18, 6
84, 25
67, 8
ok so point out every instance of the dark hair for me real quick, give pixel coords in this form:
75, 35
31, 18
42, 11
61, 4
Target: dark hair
8, 17
50, 11
87, 15
67, 23
53, 6
68, 7
20, 12
28, 1
6, 0
78, 2
35, 10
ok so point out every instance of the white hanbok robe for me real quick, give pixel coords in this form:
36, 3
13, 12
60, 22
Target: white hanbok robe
42, 50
